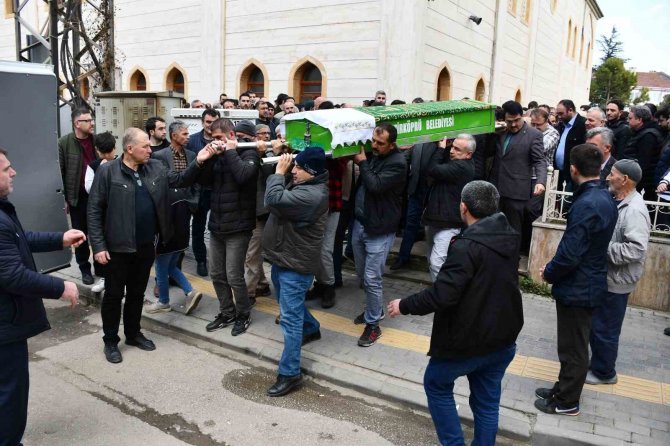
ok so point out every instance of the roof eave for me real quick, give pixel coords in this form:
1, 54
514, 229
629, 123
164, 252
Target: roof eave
594, 6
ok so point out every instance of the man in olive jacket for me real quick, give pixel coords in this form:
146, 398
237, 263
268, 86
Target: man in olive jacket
478, 316
292, 244
22, 313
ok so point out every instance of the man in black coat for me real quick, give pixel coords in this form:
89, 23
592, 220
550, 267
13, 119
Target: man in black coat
22, 313
644, 146
572, 127
232, 176
519, 150
478, 316
619, 125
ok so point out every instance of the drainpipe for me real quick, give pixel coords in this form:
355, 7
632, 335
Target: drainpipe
494, 50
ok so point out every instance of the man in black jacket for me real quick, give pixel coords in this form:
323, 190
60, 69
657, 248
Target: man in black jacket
128, 206
572, 127
449, 173
478, 316
232, 176
644, 146
619, 125
377, 212
22, 313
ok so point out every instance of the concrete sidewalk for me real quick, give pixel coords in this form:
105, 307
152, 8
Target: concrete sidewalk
637, 410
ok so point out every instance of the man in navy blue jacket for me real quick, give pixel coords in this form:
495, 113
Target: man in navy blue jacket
22, 314
578, 273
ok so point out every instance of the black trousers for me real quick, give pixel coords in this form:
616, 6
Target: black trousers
573, 325
198, 226
79, 221
532, 211
514, 210
14, 386
342, 226
129, 272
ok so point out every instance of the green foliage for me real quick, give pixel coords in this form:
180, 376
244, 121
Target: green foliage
665, 102
528, 286
643, 97
612, 80
611, 46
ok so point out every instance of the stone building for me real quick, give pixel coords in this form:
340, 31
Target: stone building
345, 50
657, 84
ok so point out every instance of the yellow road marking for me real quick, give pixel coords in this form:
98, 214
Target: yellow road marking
525, 366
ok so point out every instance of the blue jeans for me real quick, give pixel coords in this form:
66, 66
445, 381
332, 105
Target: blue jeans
370, 253
166, 267
605, 330
412, 225
296, 320
484, 375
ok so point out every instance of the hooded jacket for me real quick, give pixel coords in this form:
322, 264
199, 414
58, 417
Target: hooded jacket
294, 231
476, 297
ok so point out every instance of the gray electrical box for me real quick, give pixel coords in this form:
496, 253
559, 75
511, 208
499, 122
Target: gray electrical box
115, 111
29, 133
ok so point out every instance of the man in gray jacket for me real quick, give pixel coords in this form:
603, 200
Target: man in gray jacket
292, 244
625, 265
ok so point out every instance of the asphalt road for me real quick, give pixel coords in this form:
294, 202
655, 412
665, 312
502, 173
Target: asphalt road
191, 392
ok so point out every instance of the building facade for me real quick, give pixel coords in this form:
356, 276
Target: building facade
657, 84
345, 50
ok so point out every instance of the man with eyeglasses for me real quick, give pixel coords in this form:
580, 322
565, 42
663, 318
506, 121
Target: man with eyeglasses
129, 206
519, 152
75, 152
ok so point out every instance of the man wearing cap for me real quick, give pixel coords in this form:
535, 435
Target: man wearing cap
625, 264
292, 244
232, 176
578, 273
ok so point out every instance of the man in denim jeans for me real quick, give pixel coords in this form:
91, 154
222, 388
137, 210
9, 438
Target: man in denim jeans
377, 212
292, 244
478, 316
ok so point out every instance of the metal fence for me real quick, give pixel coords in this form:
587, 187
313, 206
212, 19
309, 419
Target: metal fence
557, 201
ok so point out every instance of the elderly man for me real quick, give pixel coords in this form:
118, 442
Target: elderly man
644, 145
292, 244
595, 117
377, 213
22, 313
478, 316
625, 265
75, 152
128, 207
603, 138
449, 174
578, 273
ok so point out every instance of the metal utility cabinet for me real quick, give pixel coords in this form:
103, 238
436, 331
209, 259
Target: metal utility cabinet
29, 133
115, 111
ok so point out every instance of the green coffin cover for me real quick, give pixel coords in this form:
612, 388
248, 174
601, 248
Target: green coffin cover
416, 123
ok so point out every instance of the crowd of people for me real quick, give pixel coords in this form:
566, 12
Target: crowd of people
474, 196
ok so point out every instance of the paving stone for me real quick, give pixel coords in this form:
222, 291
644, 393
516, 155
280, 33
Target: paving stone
612, 432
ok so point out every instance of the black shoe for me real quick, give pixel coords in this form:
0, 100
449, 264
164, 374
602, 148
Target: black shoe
370, 335
87, 278
284, 385
545, 393
360, 319
263, 291
112, 353
328, 296
202, 269
172, 282
399, 263
667, 331
551, 407
141, 342
241, 324
252, 301
278, 319
316, 292
306, 339
338, 284
220, 321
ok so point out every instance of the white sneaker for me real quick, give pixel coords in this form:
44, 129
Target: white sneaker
158, 307
99, 287
192, 301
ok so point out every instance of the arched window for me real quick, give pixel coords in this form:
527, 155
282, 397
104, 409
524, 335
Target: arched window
527, 11
174, 81
552, 4
517, 96
581, 47
574, 42
307, 82
588, 54
444, 85
511, 7
567, 48
138, 82
480, 90
252, 79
